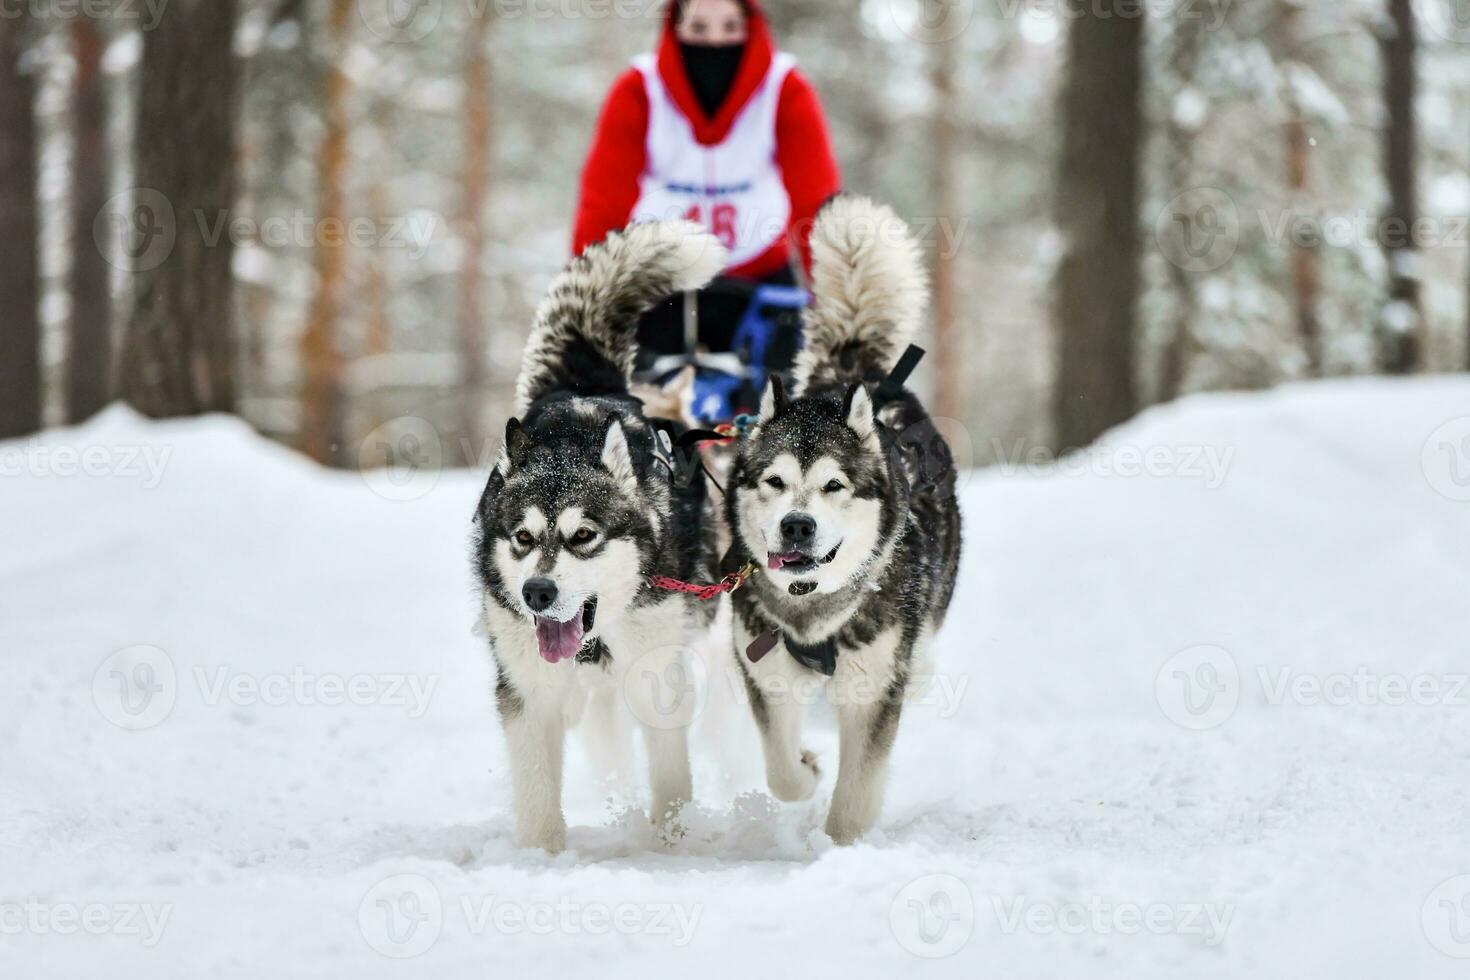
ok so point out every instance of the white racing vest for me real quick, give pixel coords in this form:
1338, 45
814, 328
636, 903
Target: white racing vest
733, 188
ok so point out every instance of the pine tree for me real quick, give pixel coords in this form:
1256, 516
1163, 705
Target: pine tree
89, 351
20, 325
1097, 212
179, 352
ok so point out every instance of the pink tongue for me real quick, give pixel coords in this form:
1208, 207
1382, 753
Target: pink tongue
775, 562
559, 641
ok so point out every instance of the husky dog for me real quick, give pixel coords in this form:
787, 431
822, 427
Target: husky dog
585, 504
845, 498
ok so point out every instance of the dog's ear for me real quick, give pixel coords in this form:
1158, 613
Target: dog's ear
617, 459
774, 401
859, 411
513, 451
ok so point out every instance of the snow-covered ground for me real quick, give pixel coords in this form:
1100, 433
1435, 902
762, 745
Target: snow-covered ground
1201, 711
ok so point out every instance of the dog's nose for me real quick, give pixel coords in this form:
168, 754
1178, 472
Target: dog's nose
539, 594
799, 529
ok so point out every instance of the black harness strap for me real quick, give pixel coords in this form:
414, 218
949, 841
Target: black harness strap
892, 386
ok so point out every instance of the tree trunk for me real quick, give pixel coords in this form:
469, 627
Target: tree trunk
179, 352
320, 433
20, 324
476, 189
1304, 272
89, 353
949, 394
1179, 136
1097, 213
1403, 320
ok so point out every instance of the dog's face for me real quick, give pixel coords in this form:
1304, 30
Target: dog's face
564, 525
812, 490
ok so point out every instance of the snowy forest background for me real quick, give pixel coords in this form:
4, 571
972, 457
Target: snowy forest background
170, 172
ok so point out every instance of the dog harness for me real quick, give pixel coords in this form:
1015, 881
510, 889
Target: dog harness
820, 656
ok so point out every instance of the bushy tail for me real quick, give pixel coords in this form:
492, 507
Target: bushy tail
869, 293
585, 330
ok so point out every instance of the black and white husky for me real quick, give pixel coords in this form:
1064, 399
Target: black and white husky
844, 496
585, 504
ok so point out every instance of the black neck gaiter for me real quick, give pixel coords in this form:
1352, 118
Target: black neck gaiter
711, 72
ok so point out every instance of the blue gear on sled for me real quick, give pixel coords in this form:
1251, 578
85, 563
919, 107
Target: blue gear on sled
749, 332
722, 388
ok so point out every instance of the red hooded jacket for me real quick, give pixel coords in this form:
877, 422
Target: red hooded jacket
618, 165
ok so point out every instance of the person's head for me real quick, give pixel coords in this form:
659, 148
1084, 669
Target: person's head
716, 23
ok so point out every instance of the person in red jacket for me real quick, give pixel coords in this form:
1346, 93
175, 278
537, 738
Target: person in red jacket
719, 127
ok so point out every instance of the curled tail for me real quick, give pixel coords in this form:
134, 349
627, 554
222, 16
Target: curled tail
869, 293
585, 331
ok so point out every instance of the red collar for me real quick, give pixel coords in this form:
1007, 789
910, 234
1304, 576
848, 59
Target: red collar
759, 52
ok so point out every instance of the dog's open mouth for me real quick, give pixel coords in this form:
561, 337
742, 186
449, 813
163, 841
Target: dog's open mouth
563, 641
798, 563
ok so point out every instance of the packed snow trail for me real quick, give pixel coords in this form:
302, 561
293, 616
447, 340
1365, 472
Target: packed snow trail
1199, 711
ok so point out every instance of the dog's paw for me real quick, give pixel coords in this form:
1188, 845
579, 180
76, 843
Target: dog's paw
798, 783
843, 832
551, 838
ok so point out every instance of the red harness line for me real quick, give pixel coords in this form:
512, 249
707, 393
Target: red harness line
703, 593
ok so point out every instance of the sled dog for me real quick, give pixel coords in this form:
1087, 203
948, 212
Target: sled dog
844, 497
585, 505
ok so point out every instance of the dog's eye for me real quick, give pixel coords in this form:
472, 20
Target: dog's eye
833, 487
776, 483
584, 536
525, 538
